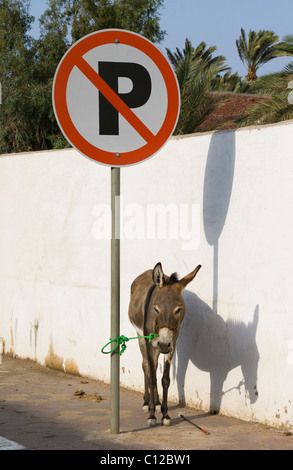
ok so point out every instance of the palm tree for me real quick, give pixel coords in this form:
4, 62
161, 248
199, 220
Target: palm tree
196, 70
274, 88
230, 82
285, 47
257, 50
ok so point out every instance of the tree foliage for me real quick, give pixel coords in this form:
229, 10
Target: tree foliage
80, 17
197, 73
27, 65
273, 88
256, 50
15, 73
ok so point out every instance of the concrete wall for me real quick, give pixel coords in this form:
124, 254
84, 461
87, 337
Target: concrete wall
226, 203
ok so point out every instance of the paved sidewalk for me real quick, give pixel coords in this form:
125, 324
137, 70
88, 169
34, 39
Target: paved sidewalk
45, 409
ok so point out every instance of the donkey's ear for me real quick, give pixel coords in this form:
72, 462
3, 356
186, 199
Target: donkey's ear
189, 277
158, 275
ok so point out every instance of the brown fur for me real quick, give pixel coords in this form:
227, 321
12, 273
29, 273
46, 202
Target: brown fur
157, 306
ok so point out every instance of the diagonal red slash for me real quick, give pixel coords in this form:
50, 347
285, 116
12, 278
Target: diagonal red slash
114, 99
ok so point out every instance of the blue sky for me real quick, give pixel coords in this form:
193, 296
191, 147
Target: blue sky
218, 23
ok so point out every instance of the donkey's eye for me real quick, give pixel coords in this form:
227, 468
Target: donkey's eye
177, 310
156, 310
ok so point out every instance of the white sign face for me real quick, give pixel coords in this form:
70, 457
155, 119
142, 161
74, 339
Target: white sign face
116, 97
84, 101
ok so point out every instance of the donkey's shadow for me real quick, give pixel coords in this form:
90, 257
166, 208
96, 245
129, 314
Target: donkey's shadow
216, 346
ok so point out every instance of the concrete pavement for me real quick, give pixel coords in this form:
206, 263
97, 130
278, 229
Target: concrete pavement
45, 409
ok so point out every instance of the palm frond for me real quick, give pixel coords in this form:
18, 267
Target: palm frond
196, 70
256, 50
273, 110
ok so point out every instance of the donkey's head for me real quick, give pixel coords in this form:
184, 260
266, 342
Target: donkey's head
168, 308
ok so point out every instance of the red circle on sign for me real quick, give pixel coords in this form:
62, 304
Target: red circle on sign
74, 57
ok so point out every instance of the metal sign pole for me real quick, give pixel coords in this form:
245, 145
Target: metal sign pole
115, 300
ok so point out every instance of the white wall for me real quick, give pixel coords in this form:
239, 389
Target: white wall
235, 348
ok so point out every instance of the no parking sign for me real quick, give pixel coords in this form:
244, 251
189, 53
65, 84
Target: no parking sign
116, 97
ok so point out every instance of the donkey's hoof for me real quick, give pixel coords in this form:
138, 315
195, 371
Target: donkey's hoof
166, 421
145, 408
152, 422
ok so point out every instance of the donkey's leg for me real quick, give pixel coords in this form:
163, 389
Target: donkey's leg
146, 397
146, 370
166, 420
153, 356
158, 405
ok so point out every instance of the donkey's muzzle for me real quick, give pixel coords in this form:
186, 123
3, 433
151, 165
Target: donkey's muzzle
164, 348
164, 342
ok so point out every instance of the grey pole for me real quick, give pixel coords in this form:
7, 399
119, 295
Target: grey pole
115, 300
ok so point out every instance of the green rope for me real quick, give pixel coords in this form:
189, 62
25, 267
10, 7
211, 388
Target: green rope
122, 340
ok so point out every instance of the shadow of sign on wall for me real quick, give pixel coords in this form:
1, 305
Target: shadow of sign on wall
211, 343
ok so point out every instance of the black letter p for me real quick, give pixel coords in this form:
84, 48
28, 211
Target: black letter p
138, 96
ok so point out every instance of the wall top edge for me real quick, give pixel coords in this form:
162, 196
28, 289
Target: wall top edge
175, 137
35, 152
236, 129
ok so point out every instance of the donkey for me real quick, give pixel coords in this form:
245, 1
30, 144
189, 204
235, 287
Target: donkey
157, 306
